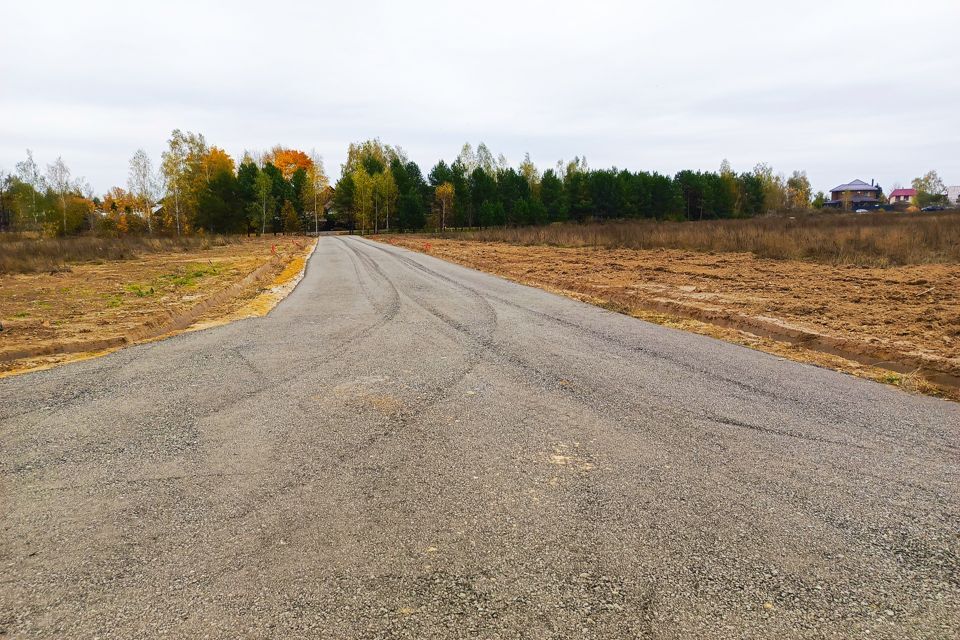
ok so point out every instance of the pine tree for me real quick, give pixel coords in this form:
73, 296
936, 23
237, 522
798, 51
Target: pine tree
291, 221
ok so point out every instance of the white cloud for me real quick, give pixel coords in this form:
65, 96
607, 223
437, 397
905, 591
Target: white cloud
843, 89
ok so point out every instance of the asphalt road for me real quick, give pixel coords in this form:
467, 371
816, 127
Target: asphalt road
407, 448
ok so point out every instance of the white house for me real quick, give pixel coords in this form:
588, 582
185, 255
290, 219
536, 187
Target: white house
953, 194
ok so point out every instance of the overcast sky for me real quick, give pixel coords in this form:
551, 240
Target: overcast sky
843, 89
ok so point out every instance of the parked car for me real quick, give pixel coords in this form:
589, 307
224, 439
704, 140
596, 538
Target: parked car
934, 207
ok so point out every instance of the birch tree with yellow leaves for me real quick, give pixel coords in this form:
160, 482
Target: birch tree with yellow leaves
444, 194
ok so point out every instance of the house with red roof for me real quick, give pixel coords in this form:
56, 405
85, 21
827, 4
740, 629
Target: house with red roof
902, 195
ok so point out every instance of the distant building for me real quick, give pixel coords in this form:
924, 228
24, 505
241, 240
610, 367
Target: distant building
953, 194
902, 195
854, 195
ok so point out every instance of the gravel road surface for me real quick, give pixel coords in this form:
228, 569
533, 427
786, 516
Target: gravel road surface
407, 448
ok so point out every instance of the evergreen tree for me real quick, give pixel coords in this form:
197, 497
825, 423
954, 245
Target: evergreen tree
281, 191
221, 210
291, 219
551, 195
512, 189
577, 191
247, 182
343, 201
536, 212
411, 213
463, 213
439, 174
603, 193
298, 186
482, 188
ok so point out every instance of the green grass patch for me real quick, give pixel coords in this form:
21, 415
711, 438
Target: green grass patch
140, 291
189, 275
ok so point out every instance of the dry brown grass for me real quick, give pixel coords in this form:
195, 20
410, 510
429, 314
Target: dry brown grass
876, 240
25, 254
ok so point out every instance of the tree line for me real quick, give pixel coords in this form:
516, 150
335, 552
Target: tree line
195, 188
381, 189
